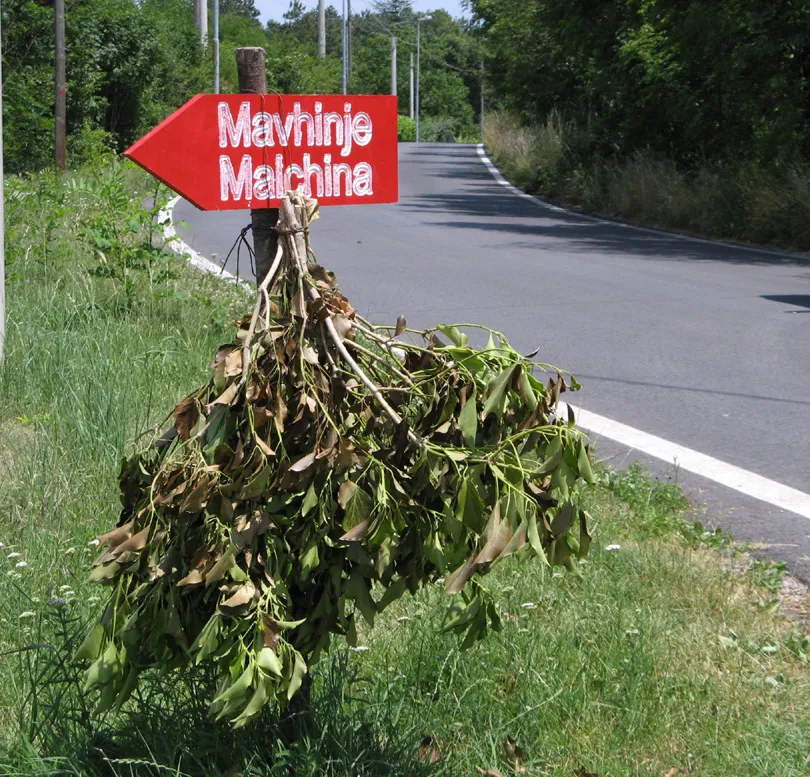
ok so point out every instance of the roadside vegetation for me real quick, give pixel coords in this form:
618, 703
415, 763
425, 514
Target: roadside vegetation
748, 202
660, 659
686, 115
130, 64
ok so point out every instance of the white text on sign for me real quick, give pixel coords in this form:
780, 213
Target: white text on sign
297, 128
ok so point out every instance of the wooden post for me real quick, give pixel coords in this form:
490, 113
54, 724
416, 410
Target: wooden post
61, 84
253, 80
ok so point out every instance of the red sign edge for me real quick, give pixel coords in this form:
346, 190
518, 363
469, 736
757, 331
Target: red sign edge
133, 149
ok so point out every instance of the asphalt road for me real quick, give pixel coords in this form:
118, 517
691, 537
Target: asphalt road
705, 345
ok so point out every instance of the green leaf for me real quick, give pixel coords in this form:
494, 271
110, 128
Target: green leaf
358, 508
236, 690
267, 660
468, 421
454, 333
254, 706
470, 507
310, 500
497, 391
584, 463
207, 640
534, 537
90, 649
309, 561
357, 589
299, 670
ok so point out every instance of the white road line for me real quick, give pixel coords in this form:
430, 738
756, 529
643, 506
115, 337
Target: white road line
736, 478
177, 245
496, 174
748, 483
728, 475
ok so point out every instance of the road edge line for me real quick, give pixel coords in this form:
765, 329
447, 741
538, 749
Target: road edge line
728, 475
177, 245
499, 178
741, 480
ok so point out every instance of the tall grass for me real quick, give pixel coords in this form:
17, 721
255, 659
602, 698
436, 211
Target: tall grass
743, 202
658, 659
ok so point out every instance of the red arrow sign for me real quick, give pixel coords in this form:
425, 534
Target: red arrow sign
225, 152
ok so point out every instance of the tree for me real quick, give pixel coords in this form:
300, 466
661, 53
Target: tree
246, 8
393, 12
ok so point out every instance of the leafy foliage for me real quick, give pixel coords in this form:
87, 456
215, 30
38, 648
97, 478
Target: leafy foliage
130, 64
692, 80
325, 470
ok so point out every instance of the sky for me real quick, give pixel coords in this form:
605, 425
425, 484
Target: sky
274, 9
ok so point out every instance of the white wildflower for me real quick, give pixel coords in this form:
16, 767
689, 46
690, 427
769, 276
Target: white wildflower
27, 614
529, 605
612, 547
94, 543
359, 649
14, 555
21, 564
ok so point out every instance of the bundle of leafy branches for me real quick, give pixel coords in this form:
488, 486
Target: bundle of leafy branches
328, 467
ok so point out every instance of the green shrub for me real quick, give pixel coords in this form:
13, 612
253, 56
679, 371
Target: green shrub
406, 128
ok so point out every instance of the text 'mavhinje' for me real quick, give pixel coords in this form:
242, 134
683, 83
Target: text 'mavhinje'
319, 129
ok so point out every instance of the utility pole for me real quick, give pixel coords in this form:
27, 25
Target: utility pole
2, 222
61, 84
201, 20
253, 80
321, 28
344, 72
215, 46
482, 101
418, 52
394, 65
349, 44
411, 85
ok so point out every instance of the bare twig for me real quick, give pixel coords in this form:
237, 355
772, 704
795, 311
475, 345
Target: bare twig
399, 373
293, 235
266, 283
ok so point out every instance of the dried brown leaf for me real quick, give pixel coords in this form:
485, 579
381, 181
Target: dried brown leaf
342, 325
116, 536
457, 580
221, 353
192, 578
304, 463
514, 754
240, 598
135, 543
428, 751
186, 415
229, 395
356, 532
345, 493
263, 446
233, 363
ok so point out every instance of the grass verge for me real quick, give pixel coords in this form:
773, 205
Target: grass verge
745, 202
664, 660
